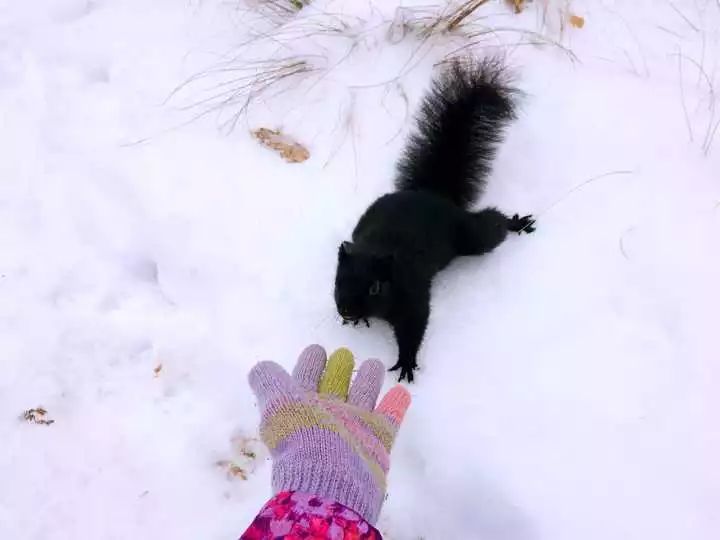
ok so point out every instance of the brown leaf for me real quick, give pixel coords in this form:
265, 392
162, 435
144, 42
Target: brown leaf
577, 21
37, 416
248, 453
236, 471
157, 370
290, 150
233, 470
517, 5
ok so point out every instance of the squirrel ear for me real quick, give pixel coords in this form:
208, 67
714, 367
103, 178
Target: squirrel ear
346, 248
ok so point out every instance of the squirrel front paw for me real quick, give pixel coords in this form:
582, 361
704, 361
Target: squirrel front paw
356, 322
406, 372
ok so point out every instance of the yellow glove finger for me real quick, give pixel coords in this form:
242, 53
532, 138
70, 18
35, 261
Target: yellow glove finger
338, 372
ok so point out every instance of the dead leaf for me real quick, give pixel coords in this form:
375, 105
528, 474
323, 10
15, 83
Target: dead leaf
248, 453
577, 21
237, 471
232, 470
157, 370
517, 5
37, 416
246, 457
290, 150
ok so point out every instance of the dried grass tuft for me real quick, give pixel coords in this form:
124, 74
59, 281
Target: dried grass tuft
430, 21
231, 87
280, 9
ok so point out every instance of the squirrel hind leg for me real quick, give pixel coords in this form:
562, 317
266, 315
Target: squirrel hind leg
481, 232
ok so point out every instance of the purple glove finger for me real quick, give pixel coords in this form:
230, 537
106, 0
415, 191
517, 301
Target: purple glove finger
366, 387
309, 368
272, 385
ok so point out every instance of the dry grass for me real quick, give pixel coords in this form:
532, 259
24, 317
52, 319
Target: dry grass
233, 87
517, 5
465, 20
457, 17
448, 18
479, 39
288, 28
281, 9
579, 186
454, 28
249, 72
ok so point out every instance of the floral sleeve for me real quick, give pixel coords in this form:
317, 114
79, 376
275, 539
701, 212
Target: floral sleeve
294, 516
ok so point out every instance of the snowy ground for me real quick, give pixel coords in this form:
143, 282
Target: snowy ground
569, 383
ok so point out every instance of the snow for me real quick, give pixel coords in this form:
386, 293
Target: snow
569, 380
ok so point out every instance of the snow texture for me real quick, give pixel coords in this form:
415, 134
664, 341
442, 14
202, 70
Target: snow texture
149, 255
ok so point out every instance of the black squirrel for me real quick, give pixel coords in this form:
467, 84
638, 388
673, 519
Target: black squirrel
406, 237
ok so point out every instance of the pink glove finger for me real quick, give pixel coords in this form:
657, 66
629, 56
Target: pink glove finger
309, 368
368, 382
272, 385
395, 404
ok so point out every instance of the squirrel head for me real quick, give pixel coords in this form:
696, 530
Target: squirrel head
363, 282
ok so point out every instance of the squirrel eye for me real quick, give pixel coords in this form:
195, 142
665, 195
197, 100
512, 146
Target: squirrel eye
375, 289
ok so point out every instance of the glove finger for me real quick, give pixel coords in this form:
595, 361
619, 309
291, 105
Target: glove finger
338, 371
272, 385
395, 404
309, 368
368, 382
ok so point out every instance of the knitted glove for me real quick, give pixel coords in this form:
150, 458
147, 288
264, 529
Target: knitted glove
327, 438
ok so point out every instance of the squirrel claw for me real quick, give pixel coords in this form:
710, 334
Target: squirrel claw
525, 224
405, 372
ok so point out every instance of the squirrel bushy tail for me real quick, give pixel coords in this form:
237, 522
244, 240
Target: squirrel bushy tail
460, 122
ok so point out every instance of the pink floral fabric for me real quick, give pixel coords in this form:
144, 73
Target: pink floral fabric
294, 516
